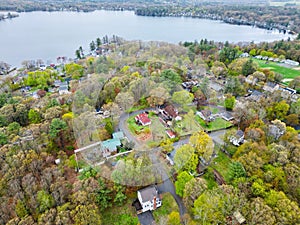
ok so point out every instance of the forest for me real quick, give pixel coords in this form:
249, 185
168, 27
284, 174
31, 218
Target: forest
42, 181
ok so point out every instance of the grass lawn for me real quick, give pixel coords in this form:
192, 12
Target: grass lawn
217, 124
184, 127
288, 73
221, 164
157, 128
168, 205
120, 215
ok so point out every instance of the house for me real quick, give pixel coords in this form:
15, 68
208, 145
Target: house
63, 90
170, 156
170, 134
118, 135
227, 116
206, 115
143, 119
270, 87
63, 87
188, 85
170, 112
239, 217
245, 55
255, 95
291, 62
287, 90
110, 146
149, 198
238, 138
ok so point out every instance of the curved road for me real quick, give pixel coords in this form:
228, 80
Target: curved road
167, 185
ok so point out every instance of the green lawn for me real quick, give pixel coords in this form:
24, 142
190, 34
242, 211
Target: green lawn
186, 127
217, 124
288, 73
221, 164
120, 215
168, 205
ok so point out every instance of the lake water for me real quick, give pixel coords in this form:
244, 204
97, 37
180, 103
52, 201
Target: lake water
47, 35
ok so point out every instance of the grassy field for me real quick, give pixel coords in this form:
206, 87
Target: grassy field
288, 73
217, 124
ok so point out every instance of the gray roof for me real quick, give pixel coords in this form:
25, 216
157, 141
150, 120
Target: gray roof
271, 84
227, 115
63, 88
256, 93
148, 193
239, 133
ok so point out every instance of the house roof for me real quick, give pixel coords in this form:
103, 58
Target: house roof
111, 144
63, 88
171, 111
239, 133
238, 216
271, 84
227, 115
170, 133
143, 118
118, 135
256, 93
206, 113
148, 193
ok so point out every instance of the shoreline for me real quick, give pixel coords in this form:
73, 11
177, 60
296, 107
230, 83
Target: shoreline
139, 11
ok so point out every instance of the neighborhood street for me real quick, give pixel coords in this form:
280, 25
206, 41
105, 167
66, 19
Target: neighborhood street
167, 185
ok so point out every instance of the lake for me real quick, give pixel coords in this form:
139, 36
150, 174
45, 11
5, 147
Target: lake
47, 35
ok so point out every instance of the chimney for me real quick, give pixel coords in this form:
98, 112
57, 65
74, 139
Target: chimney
154, 203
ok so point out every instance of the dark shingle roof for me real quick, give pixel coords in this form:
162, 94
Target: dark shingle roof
148, 193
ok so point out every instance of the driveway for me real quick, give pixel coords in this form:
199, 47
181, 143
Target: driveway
168, 186
146, 218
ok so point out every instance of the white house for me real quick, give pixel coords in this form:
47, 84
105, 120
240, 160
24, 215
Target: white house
149, 198
238, 138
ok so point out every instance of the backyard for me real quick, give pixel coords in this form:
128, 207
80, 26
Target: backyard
217, 124
221, 164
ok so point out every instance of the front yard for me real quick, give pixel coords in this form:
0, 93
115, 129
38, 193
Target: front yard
217, 124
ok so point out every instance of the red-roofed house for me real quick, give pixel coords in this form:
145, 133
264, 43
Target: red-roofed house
170, 133
143, 119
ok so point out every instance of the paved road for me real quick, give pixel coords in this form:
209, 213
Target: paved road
167, 185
